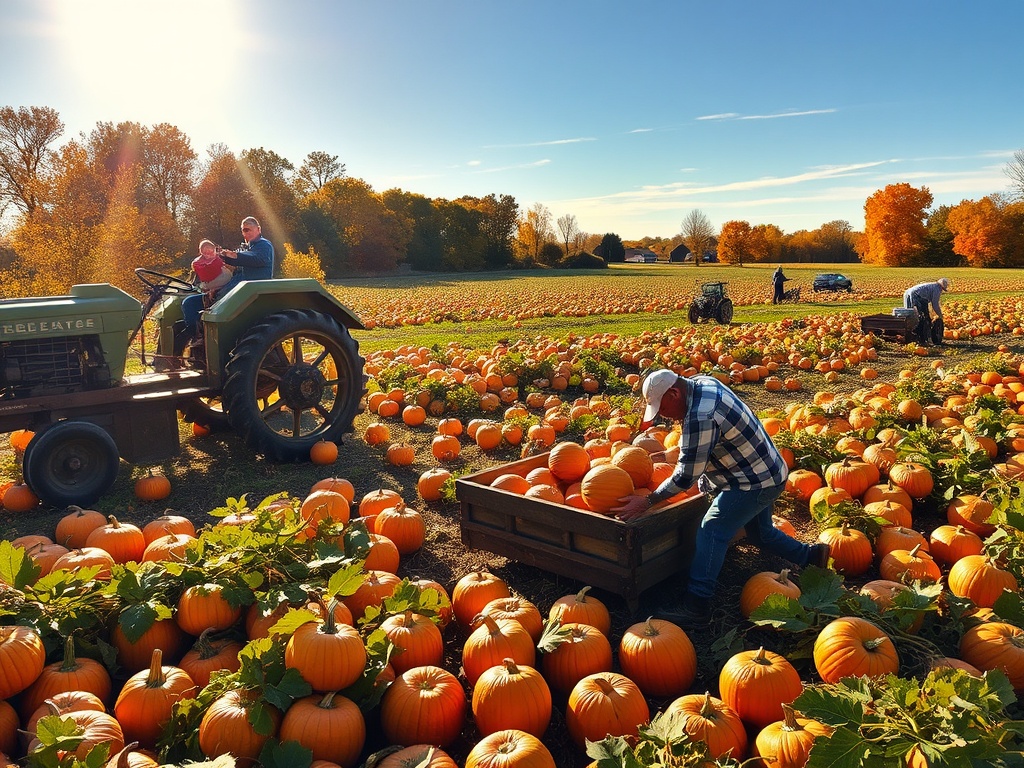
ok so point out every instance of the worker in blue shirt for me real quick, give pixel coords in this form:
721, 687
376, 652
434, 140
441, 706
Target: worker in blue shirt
921, 297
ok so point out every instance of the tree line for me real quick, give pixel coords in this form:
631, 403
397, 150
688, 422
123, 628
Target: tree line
127, 195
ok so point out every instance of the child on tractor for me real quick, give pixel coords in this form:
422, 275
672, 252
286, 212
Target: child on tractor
210, 268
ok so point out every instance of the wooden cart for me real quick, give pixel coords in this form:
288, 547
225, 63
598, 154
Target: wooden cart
624, 558
890, 326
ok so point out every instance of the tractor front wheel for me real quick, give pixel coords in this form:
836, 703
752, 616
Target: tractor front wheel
72, 462
694, 314
291, 381
723, 312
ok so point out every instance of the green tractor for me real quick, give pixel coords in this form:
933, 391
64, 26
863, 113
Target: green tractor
274, 361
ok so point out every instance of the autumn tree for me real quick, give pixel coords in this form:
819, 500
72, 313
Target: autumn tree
534, 231
894, 224
316, 170
733, 242
424, 224
697, 233
1014, 170
569, 228
463, 242
499, 225
168, 168
221, 199
611, 248
987, 232
836, 242
26, 136
939, 249
268, 177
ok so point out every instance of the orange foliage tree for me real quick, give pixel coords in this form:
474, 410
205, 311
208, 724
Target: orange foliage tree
988, 232
733, 243
894, 230
765, 242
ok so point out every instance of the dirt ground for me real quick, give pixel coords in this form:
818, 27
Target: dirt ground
213, 468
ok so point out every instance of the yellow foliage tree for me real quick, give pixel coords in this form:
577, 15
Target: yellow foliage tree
987, 232
894, 224
297, 264
765, 243
733, 243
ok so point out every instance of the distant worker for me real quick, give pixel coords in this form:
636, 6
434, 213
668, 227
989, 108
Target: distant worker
920, 297
778, 281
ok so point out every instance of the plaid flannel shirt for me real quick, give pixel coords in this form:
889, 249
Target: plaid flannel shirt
724, 441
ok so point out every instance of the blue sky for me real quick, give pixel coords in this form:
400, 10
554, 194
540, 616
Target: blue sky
626, 115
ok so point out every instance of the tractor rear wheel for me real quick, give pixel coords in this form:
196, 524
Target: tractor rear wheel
693, 314
72, 462
723, 312
291, 381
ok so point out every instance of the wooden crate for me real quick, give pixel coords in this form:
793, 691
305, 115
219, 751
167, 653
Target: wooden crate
889, 326
624, 558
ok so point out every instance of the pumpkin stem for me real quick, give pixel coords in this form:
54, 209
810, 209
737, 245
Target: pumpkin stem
760, 658
913, 552
649, 629
204, 646
112, 522
707, 709
156, 678
330, 626
70, 664
783, 576
581, 596
789, 718
327, 702
606, 687
510, 666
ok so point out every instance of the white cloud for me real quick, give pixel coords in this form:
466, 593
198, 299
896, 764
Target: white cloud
789, 114
536, 164
722, 116
473, 163
541, 143
640, 130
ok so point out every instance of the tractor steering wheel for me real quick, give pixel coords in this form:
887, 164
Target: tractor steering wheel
164, 284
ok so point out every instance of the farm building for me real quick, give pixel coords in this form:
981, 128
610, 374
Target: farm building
640, 256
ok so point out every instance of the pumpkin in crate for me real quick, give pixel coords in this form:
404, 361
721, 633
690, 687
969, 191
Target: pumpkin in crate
569, 461
152, 487
511, 695
603, 487
602, 704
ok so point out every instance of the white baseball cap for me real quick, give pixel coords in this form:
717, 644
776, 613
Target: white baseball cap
654, 388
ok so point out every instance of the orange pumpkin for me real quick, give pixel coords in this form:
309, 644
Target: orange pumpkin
144, 704
602, 704
850, 647
323, 452
659, 657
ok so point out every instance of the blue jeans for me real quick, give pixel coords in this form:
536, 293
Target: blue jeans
192, 305
730, 511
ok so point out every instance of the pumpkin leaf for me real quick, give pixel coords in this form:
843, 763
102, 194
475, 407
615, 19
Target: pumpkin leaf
288, 754
289, 687
17, 568
1010, 606
345, 581
782, 612
136, 620
833, 705
845, 748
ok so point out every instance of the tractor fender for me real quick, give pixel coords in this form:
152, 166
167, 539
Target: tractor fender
249, 302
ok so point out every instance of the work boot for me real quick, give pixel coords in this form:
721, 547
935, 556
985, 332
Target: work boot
694, 613
819, 555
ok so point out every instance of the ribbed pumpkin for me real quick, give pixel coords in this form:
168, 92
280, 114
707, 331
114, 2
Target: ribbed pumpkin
123, 541
430, 483
491, 642
637, 462
887, 492
22, 658
97, 728
204, 607
423, 705
473, 591
445, 447
850, 647
604, 485
582, 608
972, 512
225, 727
602, 704
584, 651
949, 543
45, 556
760, 585
801, 483
417, 640
894, 537
852, 475
210, 655
891, 511
418, 756
520, 609
403, 525
400, 454
86, 557
511, 695
709, 719
512, 483
912, 477
167, 548
323, 452
144, 704
329, 725
376, 587
509, 749
757, 683
74, 528
9, 724
659, 657
62, 703
70, 674
375, 502
134, 656
324, 505
978, 578
569, 461
996, 645
152, 487
130, 756
328, 655
849, 549
787, 743
907, 566
19, 498
165, 524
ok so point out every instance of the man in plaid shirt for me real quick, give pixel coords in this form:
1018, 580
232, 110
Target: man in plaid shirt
725, 447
